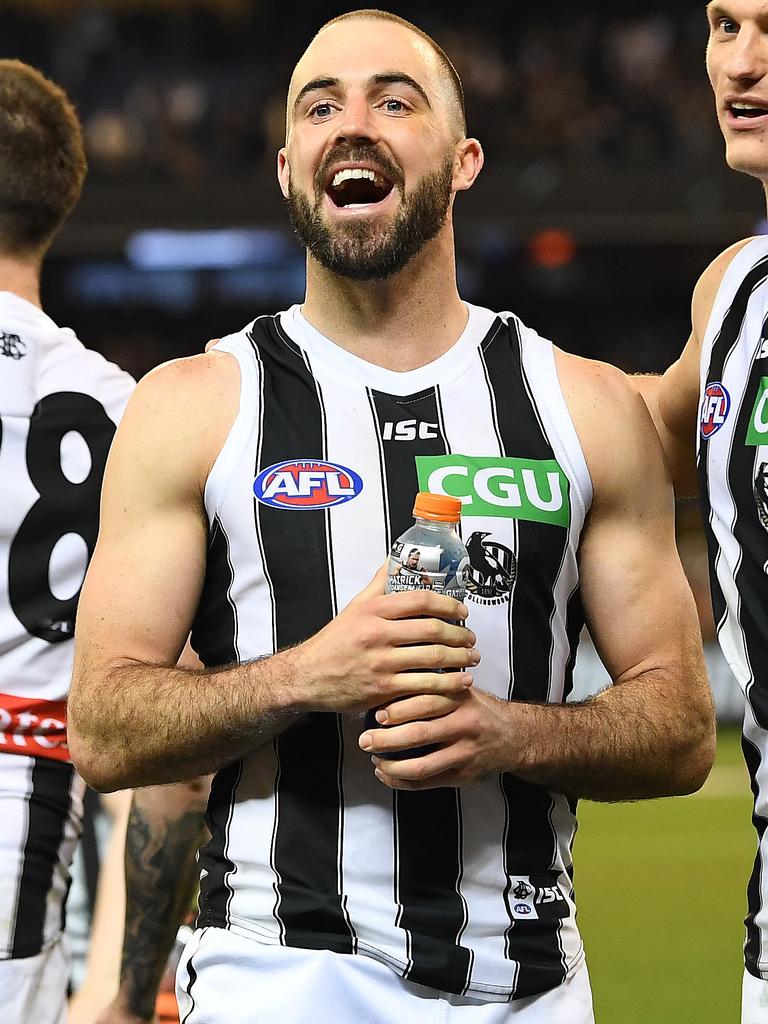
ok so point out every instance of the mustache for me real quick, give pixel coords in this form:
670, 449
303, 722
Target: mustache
358, 154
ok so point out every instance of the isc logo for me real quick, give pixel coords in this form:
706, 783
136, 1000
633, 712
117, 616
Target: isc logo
409, 430
306, 484
715, 406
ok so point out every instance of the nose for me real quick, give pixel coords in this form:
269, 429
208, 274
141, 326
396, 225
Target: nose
747, 56
357, 123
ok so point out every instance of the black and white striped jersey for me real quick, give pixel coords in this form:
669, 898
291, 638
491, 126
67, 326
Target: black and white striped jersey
733, 470
59, 404
466, 891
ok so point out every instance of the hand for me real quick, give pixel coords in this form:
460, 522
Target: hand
210, 344
381, 647
472, 729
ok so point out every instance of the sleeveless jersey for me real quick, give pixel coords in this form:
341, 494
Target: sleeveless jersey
463, 890
59, 404
733, 470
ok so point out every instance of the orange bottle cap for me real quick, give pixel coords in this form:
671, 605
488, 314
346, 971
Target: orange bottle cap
441, 508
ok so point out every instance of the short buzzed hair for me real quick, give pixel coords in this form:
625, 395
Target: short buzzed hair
456, 88
42, 159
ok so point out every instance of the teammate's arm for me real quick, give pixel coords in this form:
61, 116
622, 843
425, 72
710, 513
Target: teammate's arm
165, 829
652, 733
673, 397
135, 719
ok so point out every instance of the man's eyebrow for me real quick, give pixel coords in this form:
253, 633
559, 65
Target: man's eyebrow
386, 78
399, 78
314, 85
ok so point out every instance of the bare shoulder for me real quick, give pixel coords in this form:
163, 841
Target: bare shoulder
708, 285
185, 407
612, 422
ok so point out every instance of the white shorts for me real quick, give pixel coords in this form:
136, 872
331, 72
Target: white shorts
754, 1000
224, 978
33, 989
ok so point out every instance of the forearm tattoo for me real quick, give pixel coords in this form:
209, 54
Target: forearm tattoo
160, 874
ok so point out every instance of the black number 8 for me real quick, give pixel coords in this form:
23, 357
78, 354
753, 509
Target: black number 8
63, 507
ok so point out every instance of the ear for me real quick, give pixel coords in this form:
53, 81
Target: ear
467, 163
283, 171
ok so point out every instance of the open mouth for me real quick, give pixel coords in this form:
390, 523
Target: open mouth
746, 110
358, 186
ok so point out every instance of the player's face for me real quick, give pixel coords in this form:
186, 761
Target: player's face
737, 64
413, 560
371, 155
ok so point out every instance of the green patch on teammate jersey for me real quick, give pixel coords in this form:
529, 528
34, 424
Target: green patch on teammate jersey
535, 490
757, 431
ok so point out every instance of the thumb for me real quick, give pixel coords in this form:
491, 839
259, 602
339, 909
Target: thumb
211, 343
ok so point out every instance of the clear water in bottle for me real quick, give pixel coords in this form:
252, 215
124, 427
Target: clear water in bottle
429, 556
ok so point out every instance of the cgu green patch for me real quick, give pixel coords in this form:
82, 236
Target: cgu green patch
535, 490
757, 431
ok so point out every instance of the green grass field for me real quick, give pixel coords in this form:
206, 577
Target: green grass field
661, 887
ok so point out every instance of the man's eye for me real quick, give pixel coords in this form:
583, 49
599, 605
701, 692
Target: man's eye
728, 26
321, 110
394, 106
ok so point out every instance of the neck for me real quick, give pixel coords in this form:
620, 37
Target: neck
21, 275
404, 322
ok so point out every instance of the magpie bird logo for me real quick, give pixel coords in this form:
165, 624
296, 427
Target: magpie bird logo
12, 346
492, 569
761, 494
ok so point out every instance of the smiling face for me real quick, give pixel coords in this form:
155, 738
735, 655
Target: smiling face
737, 64
374, 149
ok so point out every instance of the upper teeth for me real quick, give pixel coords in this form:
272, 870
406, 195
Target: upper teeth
745, 106
353, 172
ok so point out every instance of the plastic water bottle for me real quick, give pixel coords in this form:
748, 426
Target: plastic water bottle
429, 556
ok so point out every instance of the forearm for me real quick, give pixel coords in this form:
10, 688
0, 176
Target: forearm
166, 724
627, 743
160, 876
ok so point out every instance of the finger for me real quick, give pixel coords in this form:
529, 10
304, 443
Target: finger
211, 343
435, 631
443, 781
422, 707
433, 658
395, 739
415, 769
410, 604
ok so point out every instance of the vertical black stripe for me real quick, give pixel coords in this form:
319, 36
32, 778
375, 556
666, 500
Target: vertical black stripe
532, 849
752, 953
191, 979
48, 810
428, 825
214, 637
214, 630
307, 833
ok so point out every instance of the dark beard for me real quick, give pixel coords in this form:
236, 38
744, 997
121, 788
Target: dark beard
365, 251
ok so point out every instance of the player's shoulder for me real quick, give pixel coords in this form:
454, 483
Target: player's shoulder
708, 284
192, 400
611, 419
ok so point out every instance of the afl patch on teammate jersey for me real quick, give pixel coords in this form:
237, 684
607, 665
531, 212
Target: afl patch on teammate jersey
306, 484
715, 406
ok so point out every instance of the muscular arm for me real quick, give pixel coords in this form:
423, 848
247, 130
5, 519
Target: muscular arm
135, 719
652, 733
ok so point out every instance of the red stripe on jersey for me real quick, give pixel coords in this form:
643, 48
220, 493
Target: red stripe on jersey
37, 728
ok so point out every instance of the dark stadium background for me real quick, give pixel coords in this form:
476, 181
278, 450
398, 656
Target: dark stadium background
604, 196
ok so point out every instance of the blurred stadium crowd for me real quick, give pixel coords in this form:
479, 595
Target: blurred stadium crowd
178, 94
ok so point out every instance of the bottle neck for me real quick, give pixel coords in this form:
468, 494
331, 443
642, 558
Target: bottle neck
432, 524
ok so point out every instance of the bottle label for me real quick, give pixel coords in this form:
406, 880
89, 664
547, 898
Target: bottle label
424, 567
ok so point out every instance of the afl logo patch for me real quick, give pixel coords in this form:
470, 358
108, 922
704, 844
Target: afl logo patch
306, 484
715, 406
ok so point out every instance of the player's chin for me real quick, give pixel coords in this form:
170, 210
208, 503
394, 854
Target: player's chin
749, 156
